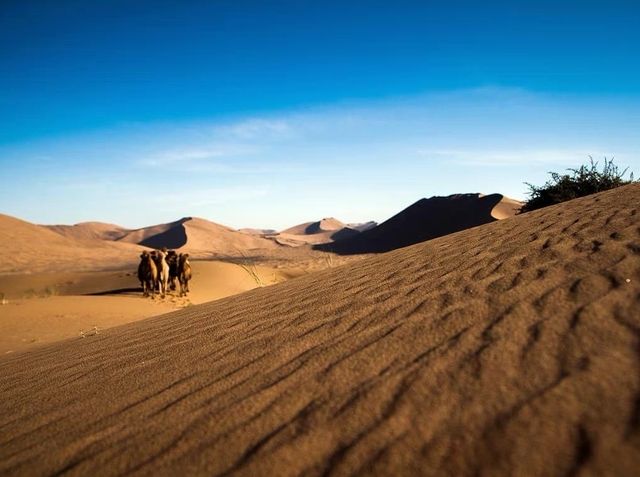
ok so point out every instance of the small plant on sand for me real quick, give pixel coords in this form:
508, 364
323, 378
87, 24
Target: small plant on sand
585, 180
49, 291
92, 332
328, 259
249, 266
3, 301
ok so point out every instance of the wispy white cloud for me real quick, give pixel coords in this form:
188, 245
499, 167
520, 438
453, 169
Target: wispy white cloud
513, 157
351, 158
253, 129
173, 200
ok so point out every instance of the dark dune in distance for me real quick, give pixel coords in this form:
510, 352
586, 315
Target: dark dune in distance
506, 349
170, 235
173, 237
424, 220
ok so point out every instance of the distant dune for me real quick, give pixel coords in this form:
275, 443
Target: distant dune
425, 220
90, 230
505, 349
198, 236
326, 230
363, 226
251, 231
30, 247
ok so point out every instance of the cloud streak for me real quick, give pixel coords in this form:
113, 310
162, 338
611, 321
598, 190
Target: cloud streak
357, 161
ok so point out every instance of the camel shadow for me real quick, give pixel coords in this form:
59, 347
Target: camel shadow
117, 291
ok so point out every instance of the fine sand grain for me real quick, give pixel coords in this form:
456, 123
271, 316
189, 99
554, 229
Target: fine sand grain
506, 349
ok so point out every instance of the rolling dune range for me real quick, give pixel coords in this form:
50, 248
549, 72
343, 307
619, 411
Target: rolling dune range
510, 348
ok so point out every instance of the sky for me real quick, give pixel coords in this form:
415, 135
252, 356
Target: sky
272, 113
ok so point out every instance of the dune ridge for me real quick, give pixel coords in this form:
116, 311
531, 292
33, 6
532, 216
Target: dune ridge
427, 219
90, 230
197, 236
35, 248
322, 231
506, 349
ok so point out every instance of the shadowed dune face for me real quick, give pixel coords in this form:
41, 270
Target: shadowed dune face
425, 220
310, 233
507, 349
198, 236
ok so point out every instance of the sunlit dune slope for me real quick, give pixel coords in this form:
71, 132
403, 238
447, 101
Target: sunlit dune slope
321, 231
507, 349
90, 230
26, 247
198, 236
427, 219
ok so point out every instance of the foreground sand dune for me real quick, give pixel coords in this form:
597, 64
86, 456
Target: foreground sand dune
507, 349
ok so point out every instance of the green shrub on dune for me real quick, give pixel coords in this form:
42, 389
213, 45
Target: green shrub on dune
585, 180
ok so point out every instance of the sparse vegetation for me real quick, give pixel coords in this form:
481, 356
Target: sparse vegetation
249, 266
585, 180
43, 293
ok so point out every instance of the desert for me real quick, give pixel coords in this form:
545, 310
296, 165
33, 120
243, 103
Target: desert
452, 356
337, 238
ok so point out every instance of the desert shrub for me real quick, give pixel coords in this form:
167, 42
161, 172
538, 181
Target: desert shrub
585, 180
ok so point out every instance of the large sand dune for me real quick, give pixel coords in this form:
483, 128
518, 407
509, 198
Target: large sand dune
198, 236
90, 230
427, 219
507, 349
27, 247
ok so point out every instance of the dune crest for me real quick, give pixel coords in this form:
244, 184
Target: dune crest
36, 248
424, 220
510, 348
326, 230
197, 236
90, 230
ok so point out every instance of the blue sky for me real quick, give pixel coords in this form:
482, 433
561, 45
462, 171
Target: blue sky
272, 113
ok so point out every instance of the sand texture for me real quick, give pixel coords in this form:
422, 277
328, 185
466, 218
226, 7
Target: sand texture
507, 349
46, 307
427, 219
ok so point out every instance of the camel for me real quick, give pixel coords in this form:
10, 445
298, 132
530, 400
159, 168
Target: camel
163, 271
147, 273
184, 273
172, 261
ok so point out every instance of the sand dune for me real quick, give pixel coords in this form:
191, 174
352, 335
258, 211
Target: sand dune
252, 231
361, 227
324, 225
326, 230
27, 247
199, 237
90, 230
507, 349
425, 220
506, 208
47, 307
